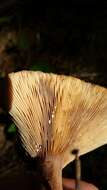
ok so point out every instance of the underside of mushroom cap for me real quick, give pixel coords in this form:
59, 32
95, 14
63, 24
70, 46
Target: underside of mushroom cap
56, 114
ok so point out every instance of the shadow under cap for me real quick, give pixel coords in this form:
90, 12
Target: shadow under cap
5, 93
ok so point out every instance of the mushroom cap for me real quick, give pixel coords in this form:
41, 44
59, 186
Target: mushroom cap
56, 114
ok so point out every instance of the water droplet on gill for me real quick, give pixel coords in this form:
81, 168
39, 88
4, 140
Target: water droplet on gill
38, 148
52, 115
49, 121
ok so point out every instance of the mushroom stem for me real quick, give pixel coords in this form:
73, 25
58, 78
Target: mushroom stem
53, 173
78, 171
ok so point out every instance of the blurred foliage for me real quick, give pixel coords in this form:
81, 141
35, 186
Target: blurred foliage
11, 129
43, 66
23, 42
5, 20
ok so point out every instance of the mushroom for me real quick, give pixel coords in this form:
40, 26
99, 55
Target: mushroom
56, 114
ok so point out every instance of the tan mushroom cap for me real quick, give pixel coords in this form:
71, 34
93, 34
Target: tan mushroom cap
56, 114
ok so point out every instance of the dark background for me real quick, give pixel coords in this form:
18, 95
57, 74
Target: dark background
63, 38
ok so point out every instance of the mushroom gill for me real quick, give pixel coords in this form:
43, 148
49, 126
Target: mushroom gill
56, 114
